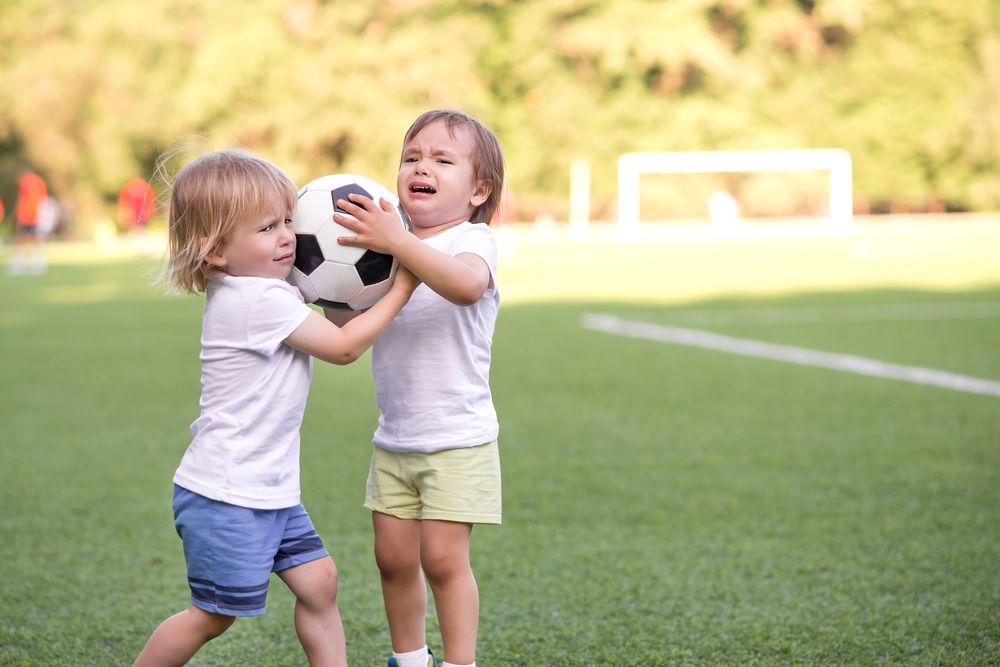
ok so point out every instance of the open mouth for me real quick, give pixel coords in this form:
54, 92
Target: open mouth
422, 189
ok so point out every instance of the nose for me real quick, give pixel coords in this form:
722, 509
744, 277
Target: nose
287, 235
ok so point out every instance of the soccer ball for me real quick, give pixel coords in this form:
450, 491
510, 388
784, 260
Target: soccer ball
328, 274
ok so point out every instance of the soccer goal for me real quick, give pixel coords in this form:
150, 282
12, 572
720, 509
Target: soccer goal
836, 162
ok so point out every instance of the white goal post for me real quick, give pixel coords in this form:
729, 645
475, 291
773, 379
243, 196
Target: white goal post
834, 160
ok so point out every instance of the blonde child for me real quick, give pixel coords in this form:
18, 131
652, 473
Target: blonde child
236, 497
435, 469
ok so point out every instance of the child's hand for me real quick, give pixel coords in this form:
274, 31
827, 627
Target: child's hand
405, 280
377, 226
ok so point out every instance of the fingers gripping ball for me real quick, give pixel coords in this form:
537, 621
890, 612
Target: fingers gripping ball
328, 274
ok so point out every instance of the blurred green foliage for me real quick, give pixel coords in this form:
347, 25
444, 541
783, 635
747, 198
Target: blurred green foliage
91, 93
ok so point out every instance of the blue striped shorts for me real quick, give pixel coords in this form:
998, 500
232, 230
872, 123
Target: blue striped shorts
231, 551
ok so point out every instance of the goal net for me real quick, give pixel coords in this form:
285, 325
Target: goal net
834, 162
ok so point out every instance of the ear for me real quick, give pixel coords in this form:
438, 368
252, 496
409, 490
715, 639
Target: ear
482, 192
215, 256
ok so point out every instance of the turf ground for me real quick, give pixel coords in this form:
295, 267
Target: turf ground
664, 504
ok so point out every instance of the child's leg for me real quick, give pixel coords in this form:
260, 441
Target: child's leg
179, 637
397, 554
317, 618
444, 555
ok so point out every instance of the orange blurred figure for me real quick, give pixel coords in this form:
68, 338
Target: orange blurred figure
31, 190
136, 203
28, 255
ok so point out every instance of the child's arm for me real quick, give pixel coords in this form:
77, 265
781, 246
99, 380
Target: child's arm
462, 279
341, 345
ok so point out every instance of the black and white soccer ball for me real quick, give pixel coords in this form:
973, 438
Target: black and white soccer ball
328, 274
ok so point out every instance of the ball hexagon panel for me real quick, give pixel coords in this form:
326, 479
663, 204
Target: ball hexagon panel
312, 210
333, 280
369, 294
301, 280
327, 238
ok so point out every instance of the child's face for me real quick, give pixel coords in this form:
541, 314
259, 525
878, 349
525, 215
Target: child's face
262, 246
436, 186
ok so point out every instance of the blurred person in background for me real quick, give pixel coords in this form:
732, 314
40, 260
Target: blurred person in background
136, 203
29, 255
49, 217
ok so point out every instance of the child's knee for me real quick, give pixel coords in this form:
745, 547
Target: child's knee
326, 588
321, 590
397, 562
210, 624
442, 567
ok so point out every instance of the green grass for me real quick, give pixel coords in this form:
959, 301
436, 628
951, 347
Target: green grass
663, 505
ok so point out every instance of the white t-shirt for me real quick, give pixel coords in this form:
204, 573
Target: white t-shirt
245, 444
432, 365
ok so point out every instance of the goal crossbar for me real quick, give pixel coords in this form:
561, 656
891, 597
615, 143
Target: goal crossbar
834, 160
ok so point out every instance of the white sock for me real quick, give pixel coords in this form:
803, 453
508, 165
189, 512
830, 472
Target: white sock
416, 658
451, 664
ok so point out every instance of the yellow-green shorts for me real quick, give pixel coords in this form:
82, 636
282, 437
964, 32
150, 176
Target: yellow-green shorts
450, 485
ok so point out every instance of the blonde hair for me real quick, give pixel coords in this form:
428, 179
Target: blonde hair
209, 196
487, 158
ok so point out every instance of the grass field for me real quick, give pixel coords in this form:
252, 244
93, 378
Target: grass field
664, 504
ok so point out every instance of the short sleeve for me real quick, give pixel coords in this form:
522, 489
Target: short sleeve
477, 239
276, 312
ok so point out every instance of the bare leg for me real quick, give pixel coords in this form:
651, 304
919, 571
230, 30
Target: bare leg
317, 618
404, 592
179, 637
444, 554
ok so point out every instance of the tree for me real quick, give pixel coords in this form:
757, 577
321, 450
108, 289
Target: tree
95, 92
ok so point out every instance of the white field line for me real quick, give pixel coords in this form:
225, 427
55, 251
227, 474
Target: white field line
821, 314
796, 355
